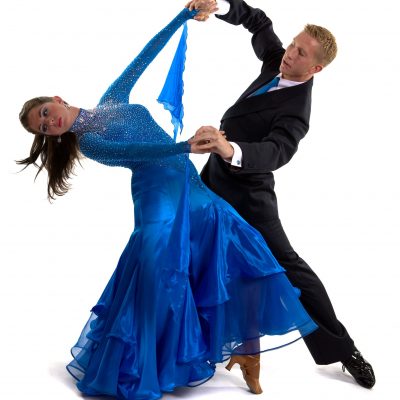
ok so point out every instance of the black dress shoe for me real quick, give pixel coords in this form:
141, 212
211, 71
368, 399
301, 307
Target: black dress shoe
360, 369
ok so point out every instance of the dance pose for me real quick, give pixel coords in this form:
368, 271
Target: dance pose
195, 284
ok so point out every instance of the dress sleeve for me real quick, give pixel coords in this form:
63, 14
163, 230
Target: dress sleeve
120, 89
123, 154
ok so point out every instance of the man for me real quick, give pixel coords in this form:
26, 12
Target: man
259, 134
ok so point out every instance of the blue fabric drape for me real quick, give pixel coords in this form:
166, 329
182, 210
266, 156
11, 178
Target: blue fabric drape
172, 91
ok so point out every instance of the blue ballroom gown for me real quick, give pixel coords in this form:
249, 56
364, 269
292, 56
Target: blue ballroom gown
194, 282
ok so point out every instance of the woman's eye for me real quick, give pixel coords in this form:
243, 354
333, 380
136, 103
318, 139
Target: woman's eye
44, 112
44, 128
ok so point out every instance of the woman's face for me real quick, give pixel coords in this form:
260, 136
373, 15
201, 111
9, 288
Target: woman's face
52, 118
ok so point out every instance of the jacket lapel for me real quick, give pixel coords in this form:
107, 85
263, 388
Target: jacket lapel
260, 81
246, 105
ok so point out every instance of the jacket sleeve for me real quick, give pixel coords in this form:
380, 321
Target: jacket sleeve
266, 43
276, 149
120, 89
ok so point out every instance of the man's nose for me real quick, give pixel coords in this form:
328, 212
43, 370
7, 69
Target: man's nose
291, 53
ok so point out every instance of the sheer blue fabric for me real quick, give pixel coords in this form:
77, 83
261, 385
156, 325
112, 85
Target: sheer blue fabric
172, 92
194, 284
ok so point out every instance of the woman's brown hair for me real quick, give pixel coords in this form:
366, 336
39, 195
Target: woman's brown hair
58, 158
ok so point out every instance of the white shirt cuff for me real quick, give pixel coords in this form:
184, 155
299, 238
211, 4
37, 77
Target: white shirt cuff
223, 7
237, 155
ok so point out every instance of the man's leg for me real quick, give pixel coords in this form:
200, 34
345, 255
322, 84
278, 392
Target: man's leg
331, 342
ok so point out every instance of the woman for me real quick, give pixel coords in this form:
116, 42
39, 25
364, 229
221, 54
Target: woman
195, 284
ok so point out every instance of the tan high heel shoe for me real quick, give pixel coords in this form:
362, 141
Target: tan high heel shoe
250, 366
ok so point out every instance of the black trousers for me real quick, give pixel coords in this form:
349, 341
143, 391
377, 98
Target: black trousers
331, 342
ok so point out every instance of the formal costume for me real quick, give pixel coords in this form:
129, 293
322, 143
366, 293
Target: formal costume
194, 282
268, 128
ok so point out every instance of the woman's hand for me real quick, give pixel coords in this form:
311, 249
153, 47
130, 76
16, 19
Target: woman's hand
210, 140
205, 7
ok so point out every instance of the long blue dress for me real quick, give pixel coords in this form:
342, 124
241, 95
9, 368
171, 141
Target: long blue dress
195, 282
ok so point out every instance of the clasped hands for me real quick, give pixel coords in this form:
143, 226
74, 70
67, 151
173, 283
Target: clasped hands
205, 7
208, 139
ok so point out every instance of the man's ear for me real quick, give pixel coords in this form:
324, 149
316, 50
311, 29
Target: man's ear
317, 68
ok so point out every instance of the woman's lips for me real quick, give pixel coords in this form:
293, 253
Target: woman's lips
59, 122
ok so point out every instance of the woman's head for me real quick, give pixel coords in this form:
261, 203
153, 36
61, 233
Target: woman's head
48, 118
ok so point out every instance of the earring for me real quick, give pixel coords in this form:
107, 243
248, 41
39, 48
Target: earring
59, 139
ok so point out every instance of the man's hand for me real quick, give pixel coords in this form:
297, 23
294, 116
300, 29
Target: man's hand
205, 7
208, 139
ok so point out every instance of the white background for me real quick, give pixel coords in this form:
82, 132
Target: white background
339, 195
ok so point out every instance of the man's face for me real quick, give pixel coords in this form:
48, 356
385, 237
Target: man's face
300, 61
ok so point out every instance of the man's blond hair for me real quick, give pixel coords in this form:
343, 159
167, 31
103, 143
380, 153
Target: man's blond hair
327, 41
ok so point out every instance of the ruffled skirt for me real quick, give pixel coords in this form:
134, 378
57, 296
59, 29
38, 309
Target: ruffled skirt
194, 284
